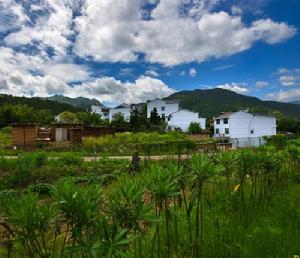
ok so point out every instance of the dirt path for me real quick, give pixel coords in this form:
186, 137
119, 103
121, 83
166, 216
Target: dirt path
155, 157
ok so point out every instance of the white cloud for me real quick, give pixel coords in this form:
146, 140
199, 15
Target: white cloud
224, 67
114, 91
234, 87
151, 73
285, 96
289, 77
182, 73
170, 37
67, 72
192, 72
288, 80
235, 10
50, 31
261, 84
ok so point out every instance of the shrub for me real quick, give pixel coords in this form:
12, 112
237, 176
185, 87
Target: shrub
41, 188
194, 128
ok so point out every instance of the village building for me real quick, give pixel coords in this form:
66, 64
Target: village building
123, 109
164, 107
244, 128
183, 118
102, 110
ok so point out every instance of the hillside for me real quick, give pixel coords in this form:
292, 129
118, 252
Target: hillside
214, 101
80, 102
38, 104
296, 102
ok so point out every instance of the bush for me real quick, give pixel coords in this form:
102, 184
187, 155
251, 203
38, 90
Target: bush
194, 128
40, 188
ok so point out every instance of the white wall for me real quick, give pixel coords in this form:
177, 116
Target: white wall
241, 123
169, 107
183, 118
124, 111
98, 110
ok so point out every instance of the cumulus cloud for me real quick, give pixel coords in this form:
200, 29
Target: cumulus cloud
112, 90
235, 10
241, 89
285, 96
261, 84
169, 37
50, 30
192, 72
43, 38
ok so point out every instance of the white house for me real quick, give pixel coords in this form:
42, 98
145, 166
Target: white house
102, 110
182, 119
124, 109
243, 124
164, 107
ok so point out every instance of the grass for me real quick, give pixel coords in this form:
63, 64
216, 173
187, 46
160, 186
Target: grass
237, 204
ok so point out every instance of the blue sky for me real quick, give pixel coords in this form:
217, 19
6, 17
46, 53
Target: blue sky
133, 50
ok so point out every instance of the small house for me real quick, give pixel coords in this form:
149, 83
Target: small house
164, 107
123, 109
244, 124
183, 118
102, 110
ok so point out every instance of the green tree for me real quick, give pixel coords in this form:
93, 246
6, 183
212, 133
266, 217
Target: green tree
119, 122
154, 117
68, 117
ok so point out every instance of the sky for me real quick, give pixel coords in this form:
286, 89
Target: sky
134, 50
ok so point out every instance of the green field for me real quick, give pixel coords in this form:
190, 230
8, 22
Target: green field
235, 204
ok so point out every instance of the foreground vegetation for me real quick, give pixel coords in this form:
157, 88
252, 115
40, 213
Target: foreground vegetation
234, 204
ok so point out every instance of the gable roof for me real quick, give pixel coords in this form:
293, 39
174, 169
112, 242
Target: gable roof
123, 105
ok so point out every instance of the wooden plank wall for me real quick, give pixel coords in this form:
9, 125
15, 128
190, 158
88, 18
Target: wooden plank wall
24, 135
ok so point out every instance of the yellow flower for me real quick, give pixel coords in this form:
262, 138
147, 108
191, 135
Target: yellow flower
236, 188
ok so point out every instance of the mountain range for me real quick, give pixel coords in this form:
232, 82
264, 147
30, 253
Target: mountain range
39, 103
80, 102
211, 102
208, 102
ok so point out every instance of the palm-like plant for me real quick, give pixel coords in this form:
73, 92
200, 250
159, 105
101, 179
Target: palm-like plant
80, 210
28, 221
201, 170
229, 161
128, 209
162, 187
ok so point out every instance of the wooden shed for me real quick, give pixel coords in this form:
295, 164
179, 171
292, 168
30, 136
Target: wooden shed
62, 132
24, 134
98, 131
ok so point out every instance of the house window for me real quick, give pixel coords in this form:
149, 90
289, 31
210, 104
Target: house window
226, 130
225, 121
163, 116
252, 131
163, 108
217, 130
218, 121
